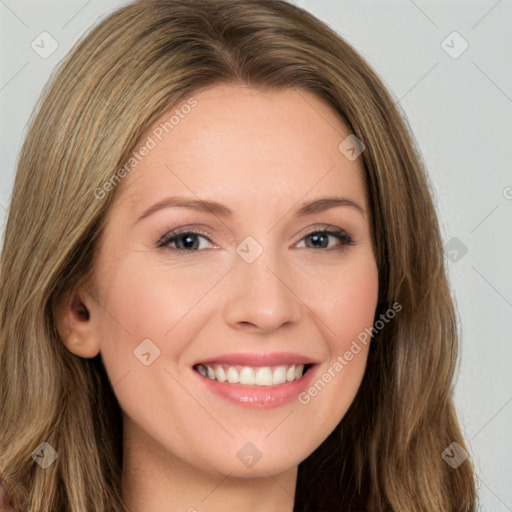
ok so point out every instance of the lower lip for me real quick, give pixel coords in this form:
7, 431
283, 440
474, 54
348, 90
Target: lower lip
259, 397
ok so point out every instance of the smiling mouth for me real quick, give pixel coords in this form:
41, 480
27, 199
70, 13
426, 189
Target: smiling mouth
262, 376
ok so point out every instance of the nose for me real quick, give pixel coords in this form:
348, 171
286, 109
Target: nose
261, 296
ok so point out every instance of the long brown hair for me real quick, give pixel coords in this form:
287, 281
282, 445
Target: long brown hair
385, 455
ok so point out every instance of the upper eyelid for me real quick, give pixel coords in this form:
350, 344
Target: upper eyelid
203, 229
207, 232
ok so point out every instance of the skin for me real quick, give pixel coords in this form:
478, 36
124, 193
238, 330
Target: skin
262, 154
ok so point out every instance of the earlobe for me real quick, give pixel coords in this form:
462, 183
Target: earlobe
76, 325
83, 348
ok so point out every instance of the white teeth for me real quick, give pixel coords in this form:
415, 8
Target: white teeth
264, 376
279, 375
232, 375
220, 374
249, 376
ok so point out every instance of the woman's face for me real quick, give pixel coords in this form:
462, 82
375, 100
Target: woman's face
252, 287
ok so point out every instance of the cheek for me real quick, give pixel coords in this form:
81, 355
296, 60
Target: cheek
347, 310
345, 302
353, 305
343, 298
149, 299
143, 300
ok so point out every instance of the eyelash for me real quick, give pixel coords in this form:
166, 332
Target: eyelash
172, 236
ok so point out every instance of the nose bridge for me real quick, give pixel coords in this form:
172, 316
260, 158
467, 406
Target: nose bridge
260, 289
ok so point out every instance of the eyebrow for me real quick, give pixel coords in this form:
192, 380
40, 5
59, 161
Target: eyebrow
205, 205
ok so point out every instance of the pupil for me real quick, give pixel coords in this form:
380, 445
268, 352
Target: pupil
317, 238
187, 240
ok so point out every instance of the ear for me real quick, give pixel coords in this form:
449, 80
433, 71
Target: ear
76, 318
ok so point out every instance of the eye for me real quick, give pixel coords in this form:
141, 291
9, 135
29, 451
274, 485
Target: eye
320, 238
184, 240
189, 241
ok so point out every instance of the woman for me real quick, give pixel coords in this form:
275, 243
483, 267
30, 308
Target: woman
222, 279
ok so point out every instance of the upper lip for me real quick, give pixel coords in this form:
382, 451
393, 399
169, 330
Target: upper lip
258, 359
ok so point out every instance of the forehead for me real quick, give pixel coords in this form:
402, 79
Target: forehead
239, 144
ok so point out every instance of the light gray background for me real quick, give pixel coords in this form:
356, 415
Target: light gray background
460, 111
